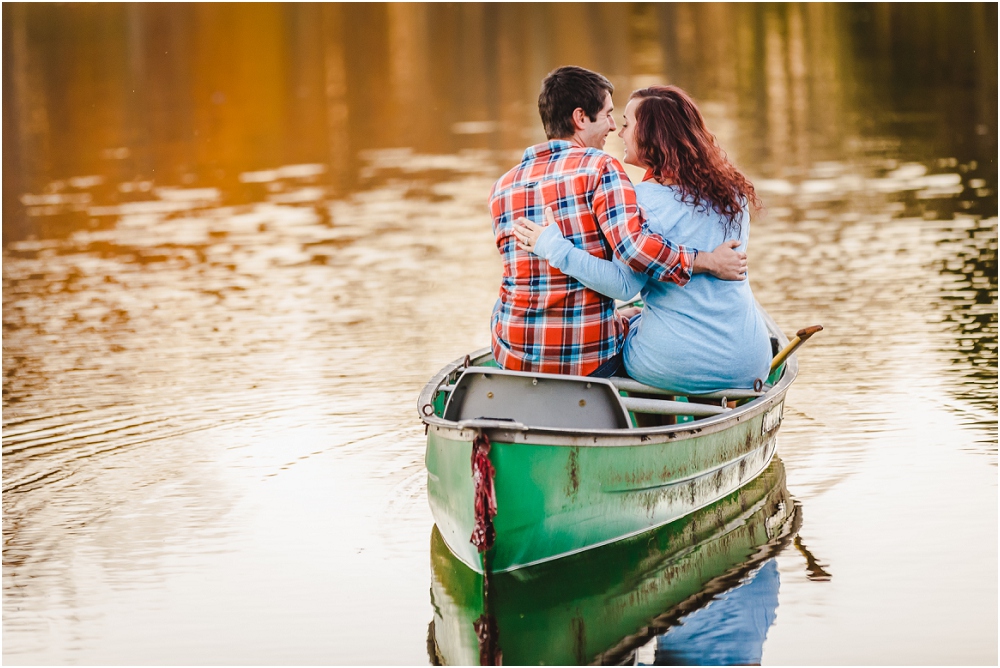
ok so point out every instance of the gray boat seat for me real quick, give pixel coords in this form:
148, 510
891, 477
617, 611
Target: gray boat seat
536, 400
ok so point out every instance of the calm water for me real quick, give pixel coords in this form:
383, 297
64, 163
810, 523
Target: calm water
238, 239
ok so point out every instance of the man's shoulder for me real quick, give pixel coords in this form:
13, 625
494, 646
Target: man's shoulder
554, 161
610, 163
595, 162
505, 179
570, 160
557, 152
589, 157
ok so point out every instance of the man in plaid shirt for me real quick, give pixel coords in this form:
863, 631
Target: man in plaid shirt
544, 320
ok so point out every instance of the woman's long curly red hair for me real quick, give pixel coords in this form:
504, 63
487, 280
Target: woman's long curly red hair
674, 143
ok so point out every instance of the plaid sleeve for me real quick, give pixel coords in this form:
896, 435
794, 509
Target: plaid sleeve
634, 243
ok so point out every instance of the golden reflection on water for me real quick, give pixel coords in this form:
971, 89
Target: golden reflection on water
239, 238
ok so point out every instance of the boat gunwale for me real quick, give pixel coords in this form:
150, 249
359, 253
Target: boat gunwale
510, 432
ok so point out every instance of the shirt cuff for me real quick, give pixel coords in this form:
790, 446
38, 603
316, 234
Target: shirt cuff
685, 266
552, 245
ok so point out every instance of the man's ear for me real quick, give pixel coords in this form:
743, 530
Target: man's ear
579, 118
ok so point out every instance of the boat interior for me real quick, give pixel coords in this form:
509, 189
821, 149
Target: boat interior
480, 390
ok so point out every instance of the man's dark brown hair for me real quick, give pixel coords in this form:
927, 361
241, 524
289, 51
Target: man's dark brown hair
565, 89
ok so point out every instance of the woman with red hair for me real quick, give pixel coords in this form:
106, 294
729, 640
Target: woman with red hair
708, 334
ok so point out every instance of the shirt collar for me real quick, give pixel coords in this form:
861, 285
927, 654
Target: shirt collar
546, 148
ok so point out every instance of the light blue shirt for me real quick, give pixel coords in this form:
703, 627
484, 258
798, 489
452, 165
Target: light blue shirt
730, 630
704, 336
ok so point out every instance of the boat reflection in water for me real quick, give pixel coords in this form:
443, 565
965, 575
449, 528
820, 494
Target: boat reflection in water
714, 568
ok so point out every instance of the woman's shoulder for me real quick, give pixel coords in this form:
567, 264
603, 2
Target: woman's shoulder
670, 200
661, 195
690, 223
661, 203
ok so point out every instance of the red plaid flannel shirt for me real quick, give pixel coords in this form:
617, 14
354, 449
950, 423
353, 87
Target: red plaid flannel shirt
544, 320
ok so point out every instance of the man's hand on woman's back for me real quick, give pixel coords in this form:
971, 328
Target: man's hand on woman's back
724, 262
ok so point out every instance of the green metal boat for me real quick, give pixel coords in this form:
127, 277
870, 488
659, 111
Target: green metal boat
524, 468
600, 606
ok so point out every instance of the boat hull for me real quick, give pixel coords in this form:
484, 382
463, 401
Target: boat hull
557, 500
599, 606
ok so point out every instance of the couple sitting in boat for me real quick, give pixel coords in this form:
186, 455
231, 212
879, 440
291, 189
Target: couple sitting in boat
699, 329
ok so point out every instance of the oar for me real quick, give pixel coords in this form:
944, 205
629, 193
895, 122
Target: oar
801, 337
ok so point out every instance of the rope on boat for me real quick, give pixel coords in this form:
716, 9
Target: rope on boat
483, 534
487, 633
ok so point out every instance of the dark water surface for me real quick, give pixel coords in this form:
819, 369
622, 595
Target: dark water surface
238, 239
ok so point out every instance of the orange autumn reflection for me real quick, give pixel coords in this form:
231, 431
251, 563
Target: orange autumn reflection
196, 94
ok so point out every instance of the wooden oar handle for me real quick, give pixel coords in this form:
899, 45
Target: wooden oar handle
806, 332
800, 337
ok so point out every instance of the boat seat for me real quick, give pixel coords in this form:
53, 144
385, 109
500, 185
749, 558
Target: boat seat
536, 400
